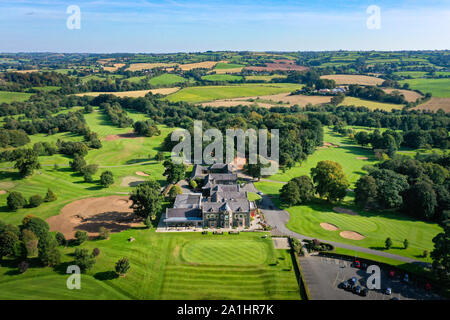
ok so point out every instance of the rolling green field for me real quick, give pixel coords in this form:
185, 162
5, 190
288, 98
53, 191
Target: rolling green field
209, 93
8, 97
375, 226
372, 105
221, 77
438, 87
167, 79
222, 65
166, 266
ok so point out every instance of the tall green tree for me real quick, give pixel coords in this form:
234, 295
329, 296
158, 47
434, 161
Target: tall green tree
330, 180
365, 191
174, 172
441, 255
27, 162
147, 199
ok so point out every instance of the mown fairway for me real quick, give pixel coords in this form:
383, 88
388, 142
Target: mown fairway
210, 93
375, 226
346, 154
438, 87
159, 270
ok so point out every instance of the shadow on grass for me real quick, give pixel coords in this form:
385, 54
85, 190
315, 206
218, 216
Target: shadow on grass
134, 161
106, 275
13, 175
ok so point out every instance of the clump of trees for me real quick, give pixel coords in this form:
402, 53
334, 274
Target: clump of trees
330, 180
146, 128
297, 191
174, 172
16, 200
419, 187
117, 115
147, 199
32, 238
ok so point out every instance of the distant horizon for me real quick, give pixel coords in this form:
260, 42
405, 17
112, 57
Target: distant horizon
182, 26
233, 51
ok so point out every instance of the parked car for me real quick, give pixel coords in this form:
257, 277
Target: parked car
357, 290
353, 280
427, 286
388, 291
344, 285
365, 292
357, 264
391, 274
364, 266
406, 278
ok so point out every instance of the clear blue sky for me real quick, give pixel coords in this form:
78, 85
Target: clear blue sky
200, 25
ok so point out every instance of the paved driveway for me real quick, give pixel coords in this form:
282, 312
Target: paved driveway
323, 276
278, 218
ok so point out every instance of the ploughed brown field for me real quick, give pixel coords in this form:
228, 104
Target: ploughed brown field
435, 104
410, 96
198, 65
148, 66
132, 94
353, 79
279, 65
270, 101
114, 68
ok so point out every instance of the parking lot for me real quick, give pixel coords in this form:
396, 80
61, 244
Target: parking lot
324, 275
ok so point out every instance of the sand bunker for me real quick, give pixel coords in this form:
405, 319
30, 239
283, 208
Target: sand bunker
142, 174
346, 211
131, 181
352, 235
90, 214
362, 158
129, 135
328, 226
3, 191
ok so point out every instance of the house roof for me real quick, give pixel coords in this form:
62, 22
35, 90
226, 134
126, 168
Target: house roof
221, 196
188, 200
183, 214
234, 206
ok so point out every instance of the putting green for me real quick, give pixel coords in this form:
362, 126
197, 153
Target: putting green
217, 252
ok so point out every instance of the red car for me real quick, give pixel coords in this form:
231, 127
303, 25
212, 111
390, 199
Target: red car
357, 264
392, 273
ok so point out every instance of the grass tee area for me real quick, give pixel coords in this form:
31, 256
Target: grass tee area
167, 266
375, 226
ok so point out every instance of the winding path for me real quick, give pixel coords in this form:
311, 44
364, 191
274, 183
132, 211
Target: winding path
278, 218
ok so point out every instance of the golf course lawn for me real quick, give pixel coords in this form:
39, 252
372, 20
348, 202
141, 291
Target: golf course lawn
159, 269
375, 226
346, 155
210, 93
